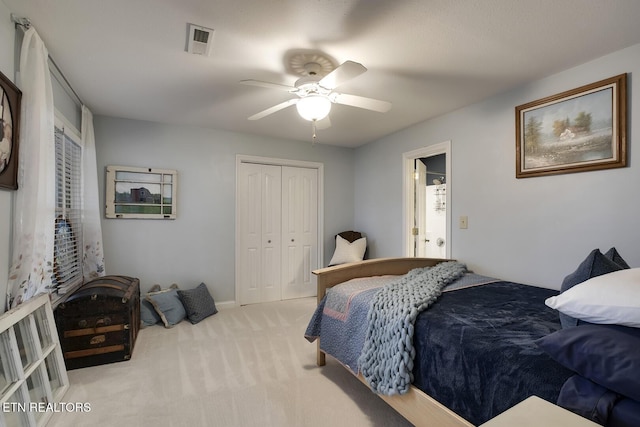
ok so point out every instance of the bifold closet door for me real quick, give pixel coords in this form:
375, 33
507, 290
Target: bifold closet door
260, 216
299, 231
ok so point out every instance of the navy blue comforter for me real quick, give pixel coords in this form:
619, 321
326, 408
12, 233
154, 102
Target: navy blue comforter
475, 350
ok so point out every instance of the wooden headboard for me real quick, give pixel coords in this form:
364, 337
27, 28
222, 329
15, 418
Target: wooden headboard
331, 276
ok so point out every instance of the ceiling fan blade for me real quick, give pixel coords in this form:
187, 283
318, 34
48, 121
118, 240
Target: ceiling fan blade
346, 71
274, 109
361, 102
268, 85
323, 124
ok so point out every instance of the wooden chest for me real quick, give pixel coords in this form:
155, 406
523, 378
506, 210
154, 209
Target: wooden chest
99, 322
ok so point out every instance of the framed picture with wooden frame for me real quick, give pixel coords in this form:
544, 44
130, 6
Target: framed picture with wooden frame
583, 129
10, 97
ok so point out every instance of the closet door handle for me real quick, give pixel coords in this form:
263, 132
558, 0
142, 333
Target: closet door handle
293, 240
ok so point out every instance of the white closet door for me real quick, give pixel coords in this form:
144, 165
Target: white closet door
260, 187
299, 231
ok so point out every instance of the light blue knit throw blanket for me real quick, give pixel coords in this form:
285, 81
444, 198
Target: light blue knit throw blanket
386, 361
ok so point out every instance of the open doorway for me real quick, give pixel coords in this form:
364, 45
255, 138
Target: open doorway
427, 196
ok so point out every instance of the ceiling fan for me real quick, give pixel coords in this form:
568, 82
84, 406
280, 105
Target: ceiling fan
315, 90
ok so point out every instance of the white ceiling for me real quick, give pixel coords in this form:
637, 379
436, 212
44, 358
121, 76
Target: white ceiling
126, 58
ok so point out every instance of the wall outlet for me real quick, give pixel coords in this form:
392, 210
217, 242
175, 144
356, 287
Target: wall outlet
463, 222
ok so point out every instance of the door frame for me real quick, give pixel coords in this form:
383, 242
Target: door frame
420, 211
408, 210
242, 158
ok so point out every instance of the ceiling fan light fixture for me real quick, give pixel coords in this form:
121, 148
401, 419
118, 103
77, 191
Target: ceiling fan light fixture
314, 107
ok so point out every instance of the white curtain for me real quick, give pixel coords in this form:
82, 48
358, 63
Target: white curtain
93, 261
34, 201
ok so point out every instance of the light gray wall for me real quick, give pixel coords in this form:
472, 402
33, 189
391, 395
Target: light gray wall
7, 67
199, 246
533, 230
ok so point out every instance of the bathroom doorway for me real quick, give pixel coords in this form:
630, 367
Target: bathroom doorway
427, 196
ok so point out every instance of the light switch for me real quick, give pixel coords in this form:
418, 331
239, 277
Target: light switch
464, 222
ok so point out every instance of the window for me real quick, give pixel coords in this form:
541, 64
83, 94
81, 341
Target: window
32, 370
67, 268
141, 193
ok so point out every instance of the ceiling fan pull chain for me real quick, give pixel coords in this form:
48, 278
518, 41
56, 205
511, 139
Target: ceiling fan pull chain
313, 131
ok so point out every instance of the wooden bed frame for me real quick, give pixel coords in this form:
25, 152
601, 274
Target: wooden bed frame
416, 406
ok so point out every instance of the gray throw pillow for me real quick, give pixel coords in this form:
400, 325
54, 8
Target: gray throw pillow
168, 306
198, 303
148, 314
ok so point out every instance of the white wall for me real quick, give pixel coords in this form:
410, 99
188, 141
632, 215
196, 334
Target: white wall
7, 67
199, 245
533, 230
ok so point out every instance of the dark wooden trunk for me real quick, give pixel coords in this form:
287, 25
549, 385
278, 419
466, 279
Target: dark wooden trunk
99, 322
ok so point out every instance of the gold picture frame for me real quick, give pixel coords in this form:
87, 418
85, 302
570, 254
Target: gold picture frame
583, 129
10, 97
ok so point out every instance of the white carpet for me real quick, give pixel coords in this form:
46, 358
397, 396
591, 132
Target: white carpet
245, 366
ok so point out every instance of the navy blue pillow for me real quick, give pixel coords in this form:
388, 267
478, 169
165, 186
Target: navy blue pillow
606, 354
614, 256
595, 264
588, 399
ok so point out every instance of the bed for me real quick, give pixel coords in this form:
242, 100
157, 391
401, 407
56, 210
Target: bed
442, 393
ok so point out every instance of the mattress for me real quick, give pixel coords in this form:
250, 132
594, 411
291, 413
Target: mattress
474, 348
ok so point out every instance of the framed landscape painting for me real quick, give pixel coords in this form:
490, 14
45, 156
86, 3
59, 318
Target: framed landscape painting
10, 97
583, 129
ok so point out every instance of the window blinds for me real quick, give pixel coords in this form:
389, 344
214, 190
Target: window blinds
67, 269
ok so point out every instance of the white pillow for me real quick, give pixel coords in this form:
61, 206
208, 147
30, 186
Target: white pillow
348, 251
612, 298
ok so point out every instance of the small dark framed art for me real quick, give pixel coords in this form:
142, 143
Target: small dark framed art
583, 129
10, 97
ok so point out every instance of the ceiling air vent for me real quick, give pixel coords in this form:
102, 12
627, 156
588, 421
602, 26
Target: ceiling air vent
200, 41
